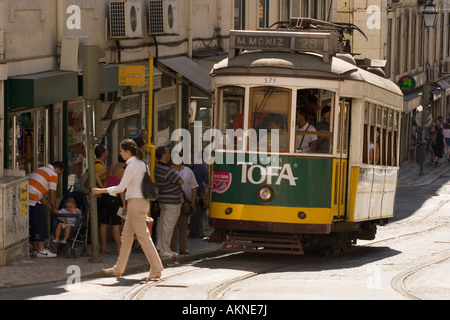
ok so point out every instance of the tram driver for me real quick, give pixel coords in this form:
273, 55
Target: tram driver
324, 126
305, 143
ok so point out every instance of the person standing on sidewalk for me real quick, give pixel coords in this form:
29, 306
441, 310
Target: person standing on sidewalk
42, 181
106, 216
189, 187
169, 199
197, 225
137, 209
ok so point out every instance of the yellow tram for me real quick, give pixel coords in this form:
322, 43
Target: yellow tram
311, 141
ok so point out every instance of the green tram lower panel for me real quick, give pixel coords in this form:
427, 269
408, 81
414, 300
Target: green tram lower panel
297, 182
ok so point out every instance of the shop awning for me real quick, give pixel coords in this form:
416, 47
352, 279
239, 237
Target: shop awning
41, 89
412, 101
435, 92
190, 70
444, 85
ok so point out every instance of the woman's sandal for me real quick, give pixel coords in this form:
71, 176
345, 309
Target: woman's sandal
152, 277
111, 272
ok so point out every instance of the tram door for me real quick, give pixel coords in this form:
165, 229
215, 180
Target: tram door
341, 162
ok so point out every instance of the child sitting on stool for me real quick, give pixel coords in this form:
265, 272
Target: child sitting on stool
66, 222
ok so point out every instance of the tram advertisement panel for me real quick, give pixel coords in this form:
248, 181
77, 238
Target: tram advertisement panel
295, 182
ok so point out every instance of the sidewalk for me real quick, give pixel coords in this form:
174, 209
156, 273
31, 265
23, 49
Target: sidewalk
409, 173
36, 271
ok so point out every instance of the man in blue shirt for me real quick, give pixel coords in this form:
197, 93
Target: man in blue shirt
196, 226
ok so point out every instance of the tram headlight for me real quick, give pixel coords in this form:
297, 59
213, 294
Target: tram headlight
265, 193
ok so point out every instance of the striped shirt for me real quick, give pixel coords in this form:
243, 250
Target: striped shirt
167, 182
41, 181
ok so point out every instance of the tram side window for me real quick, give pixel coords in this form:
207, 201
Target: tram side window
231, 110
313, 121
380, 135
269, 118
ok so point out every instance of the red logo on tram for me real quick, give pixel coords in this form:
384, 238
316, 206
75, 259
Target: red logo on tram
221, 182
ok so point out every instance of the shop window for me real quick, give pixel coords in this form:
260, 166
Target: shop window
76, 145
28, 146
166, 125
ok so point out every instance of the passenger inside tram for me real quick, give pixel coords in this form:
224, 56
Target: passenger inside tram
306, 141
274, 122
324, 126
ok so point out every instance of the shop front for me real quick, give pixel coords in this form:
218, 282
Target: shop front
34, 118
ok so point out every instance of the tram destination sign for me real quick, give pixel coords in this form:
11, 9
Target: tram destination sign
321, 42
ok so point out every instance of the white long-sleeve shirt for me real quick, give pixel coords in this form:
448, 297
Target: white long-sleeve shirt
131, 180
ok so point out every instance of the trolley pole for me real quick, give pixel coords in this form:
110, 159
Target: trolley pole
150, 147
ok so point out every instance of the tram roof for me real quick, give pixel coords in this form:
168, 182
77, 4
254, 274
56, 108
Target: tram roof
299, 65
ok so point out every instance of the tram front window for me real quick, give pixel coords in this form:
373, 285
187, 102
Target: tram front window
231, 110
269, 117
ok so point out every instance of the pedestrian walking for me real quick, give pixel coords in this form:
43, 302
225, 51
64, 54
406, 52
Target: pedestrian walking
169, 184
137, 209
439, 145
446, 133
42, 181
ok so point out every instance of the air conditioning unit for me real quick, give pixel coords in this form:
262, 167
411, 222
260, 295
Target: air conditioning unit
446, 67
162, 17
295, 9
125, 20
433, 74
72, 53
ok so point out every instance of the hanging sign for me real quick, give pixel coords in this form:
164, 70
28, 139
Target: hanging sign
133, 76
407, 84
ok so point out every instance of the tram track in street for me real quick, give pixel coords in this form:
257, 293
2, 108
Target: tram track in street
137, 292
218, 292
438, 207
398, 283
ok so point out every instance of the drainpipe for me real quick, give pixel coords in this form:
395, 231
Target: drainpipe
59, 23
3, 76
189, 28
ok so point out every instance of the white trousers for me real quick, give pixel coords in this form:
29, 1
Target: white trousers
166, 224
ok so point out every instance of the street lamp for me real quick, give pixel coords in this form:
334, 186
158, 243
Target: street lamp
429, 14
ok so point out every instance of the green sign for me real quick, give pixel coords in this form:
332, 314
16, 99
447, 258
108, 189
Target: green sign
407, 84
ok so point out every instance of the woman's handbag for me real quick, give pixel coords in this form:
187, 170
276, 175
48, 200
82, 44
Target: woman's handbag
150, 190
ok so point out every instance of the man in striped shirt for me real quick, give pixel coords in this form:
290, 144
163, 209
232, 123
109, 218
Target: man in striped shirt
169, 199
42, 181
